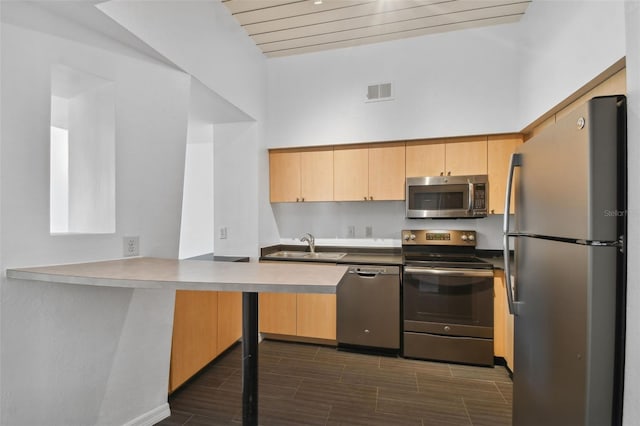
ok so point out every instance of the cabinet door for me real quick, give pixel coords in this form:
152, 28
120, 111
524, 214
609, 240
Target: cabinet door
277, 313
316, 316
194, 342
316, 169
499, 305
229, 319
284, 176
386, 171
425, 158
499, 152
503, 322
466, 156
350, 173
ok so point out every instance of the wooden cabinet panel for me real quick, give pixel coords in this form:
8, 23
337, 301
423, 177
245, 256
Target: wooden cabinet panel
466, 156
499, 304
386, 171
499, 150
316, 170
277, 313
350, 173
316, 316
301, 175
229, 319
284, 176
194, 342
503, 321
425, 158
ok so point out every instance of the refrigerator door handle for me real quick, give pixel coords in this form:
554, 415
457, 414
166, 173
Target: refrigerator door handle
516, 161
513, 304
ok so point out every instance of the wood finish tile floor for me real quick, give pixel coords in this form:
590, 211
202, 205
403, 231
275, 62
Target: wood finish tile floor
303, 384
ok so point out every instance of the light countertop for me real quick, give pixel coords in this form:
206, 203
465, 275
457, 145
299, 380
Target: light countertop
147, 272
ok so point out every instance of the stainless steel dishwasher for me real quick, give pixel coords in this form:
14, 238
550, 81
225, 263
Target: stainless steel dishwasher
368, 307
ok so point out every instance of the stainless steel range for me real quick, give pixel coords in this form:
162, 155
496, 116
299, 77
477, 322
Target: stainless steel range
447, 298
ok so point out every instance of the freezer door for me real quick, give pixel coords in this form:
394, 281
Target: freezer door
564, 333
566, 185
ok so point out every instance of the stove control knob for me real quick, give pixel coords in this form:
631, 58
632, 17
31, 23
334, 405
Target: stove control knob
413, 237
471, 237
405, 237
447, 328
464, 237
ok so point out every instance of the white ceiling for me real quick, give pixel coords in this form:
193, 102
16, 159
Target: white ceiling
288, 27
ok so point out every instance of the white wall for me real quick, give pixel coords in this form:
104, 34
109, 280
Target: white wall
236, 149
66, 352
329, 223
92, 168
196, 229
632, 367
446, 84
564, 45
205, 40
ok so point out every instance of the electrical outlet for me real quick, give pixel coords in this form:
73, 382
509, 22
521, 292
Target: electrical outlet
130, 246
368, 231
223, 233
351, 231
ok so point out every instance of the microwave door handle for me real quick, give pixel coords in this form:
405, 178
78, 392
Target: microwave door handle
472, 196
516, 161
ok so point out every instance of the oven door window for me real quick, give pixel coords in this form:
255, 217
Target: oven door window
448, 299
439, 197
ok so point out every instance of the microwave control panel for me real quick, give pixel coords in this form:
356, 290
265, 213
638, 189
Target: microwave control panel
479, 197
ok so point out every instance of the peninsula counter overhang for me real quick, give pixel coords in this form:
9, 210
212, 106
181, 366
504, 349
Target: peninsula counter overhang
157, 273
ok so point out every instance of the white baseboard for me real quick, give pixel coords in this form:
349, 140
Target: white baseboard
152, 417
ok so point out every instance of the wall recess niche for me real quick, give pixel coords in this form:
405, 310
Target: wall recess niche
82, 153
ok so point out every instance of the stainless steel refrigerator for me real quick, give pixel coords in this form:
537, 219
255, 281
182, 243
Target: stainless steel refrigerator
568, 292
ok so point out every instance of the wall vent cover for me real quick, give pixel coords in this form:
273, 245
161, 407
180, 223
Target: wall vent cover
379, 92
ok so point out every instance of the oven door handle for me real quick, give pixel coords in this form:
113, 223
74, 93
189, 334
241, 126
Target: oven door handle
451, 272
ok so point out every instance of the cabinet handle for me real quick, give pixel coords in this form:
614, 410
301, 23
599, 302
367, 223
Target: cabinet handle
441, 173
449, 174
365, 198
302, 199
370, 198
493, 211
297, 199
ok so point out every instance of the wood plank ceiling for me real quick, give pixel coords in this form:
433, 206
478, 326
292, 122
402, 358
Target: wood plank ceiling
289, 27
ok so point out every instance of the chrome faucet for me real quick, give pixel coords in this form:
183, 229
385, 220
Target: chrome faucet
308, 238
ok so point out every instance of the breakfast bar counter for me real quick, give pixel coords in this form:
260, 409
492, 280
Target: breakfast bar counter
172, 274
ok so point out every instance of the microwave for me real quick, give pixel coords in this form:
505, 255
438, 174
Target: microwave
447, 196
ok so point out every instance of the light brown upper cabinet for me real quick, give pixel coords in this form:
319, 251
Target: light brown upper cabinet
369, 172
455, 156
500, 148
301, 175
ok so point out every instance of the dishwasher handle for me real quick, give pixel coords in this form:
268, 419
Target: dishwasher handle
370, 272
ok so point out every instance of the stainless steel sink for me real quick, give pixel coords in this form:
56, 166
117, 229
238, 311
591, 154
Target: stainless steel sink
325, 255
306, 255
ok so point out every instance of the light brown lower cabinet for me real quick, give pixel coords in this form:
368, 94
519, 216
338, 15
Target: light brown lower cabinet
316, 316
303, 315
229, 319
502, 321
205, 324
277, 313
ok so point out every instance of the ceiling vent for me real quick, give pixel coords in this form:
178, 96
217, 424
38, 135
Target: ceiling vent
379, 92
